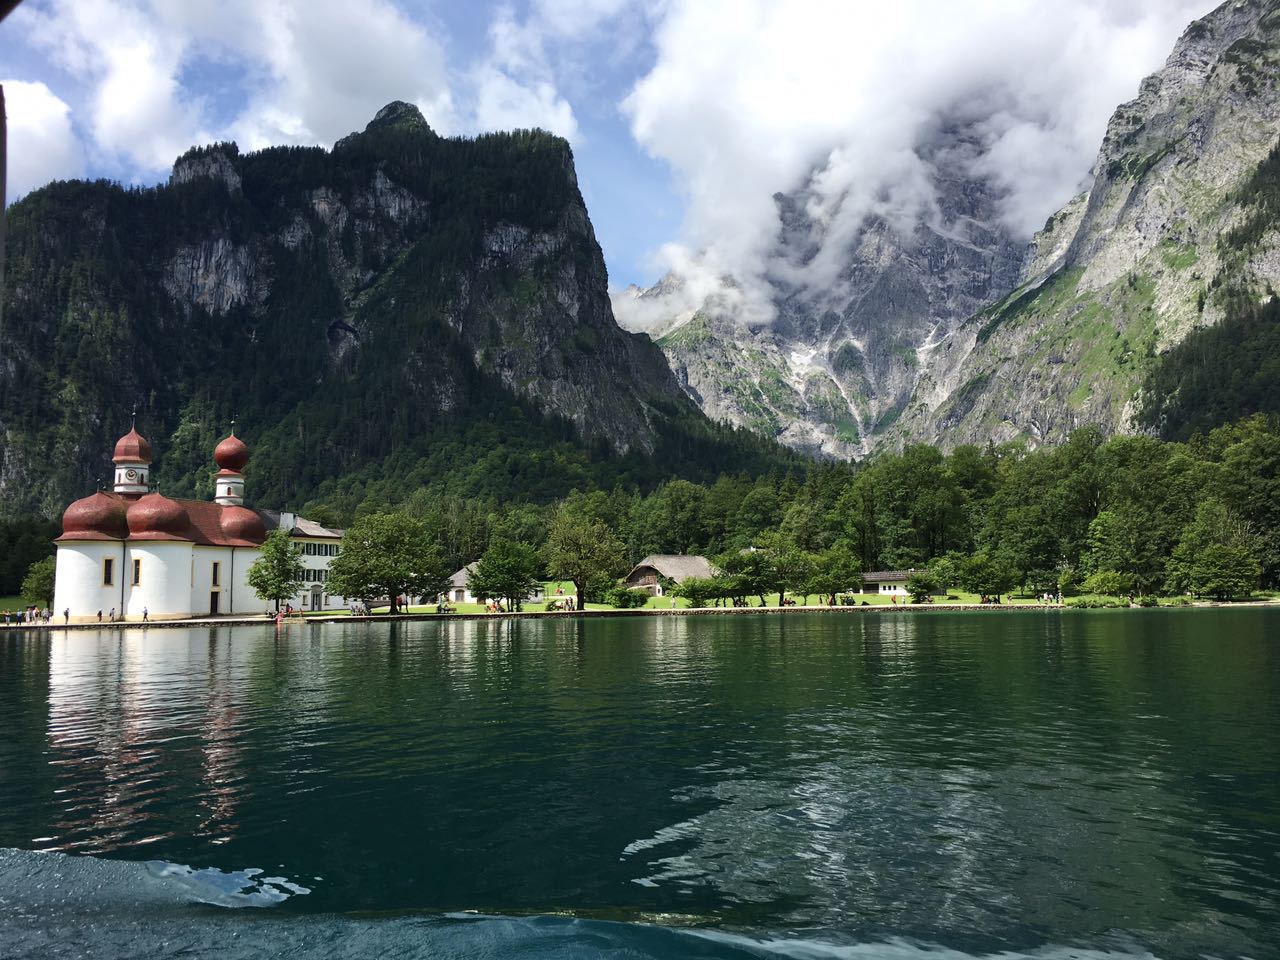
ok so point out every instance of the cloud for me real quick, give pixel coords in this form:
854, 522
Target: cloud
326, 66
135, 109
514, 86
42, 145
748, 98
306, 71
293, 71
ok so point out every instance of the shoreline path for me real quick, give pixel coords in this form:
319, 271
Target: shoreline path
871, 609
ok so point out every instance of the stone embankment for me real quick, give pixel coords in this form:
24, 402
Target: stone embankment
536, 615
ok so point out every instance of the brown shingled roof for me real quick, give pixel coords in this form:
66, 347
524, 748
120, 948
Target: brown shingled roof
676, 566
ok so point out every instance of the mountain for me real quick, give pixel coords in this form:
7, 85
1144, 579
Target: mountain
944, 329
401, 311
840, 361
1176, 235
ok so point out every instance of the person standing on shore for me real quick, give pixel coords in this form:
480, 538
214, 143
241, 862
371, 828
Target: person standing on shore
145, 615
66, 616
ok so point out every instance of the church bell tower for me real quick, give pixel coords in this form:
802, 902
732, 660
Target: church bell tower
132, 459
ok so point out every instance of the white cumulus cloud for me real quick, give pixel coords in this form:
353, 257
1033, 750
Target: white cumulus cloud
42, 144
305, 71
748, 98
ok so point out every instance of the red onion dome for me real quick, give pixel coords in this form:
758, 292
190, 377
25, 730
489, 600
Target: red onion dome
231, 454
157, 517
241, 523
97, 517
132, 448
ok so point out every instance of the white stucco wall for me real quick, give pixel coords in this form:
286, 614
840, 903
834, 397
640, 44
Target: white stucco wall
164, 588
77, 584
242, 599
176, 580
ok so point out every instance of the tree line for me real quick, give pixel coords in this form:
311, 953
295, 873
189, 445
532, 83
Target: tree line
1127, 515
1130, 515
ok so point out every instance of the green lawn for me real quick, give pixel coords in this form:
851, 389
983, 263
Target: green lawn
11, 603
664, 603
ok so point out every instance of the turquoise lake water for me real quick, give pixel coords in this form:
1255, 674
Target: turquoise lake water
1048, 784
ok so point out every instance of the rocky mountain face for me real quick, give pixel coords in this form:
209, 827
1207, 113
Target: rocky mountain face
347, 306
835, 369
946, 330
1154, 250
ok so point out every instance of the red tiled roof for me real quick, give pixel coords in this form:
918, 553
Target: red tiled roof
204, 523
207, 528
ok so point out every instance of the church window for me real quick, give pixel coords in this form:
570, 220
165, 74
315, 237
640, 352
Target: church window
108, 571
137, 571
217, 574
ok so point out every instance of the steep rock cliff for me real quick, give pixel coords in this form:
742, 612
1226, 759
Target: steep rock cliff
944, 330
350, 307
1128, 270
836, 367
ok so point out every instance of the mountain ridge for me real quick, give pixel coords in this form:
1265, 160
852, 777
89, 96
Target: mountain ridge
360, 311
1052, 336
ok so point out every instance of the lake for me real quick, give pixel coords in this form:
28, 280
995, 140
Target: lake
1043, 783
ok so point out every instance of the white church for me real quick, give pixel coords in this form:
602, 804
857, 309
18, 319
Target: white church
132, 552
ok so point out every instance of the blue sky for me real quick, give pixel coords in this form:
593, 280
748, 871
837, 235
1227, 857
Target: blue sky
686, 116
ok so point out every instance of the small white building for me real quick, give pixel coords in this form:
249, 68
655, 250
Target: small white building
887, 582
317, 546
131, 552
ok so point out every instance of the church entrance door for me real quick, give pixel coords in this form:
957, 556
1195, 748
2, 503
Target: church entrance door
213, 603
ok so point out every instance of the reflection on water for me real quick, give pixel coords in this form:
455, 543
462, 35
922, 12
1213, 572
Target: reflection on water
986, 782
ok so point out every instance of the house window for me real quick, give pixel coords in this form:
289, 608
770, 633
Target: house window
108, 571
217, 574
137, 571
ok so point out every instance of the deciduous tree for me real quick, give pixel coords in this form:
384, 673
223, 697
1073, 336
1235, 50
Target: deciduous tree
508, 571
37, 586
278, 572
581, 549
388, 554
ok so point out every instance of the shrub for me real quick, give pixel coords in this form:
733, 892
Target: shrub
1110, 583
625, 598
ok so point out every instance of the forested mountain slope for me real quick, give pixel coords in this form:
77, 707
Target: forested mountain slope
401, 311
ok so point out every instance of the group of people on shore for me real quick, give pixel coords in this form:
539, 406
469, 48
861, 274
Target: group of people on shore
31, 614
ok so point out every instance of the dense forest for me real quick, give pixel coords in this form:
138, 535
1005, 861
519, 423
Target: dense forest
1137, 511
1134, 514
